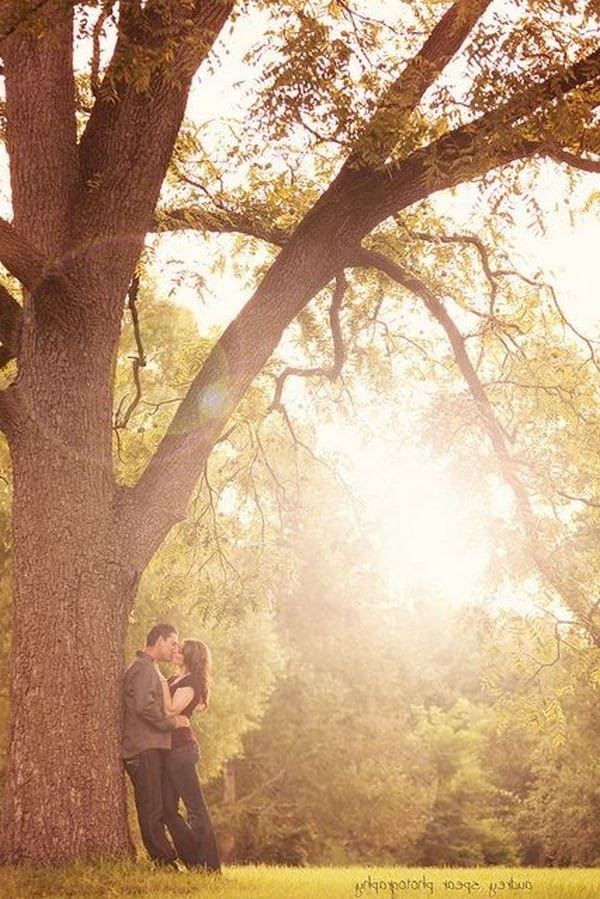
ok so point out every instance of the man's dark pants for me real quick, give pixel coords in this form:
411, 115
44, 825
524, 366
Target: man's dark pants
146, 773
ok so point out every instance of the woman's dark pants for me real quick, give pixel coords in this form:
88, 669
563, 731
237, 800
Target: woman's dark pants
195, 841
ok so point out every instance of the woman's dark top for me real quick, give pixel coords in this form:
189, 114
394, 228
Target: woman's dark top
184, 736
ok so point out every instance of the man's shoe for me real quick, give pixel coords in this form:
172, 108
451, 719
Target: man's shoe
173, 865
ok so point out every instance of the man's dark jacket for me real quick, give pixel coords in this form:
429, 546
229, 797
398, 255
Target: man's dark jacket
145, 725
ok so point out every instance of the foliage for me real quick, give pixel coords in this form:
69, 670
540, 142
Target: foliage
374, 744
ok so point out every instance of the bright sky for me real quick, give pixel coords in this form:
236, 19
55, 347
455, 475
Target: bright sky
567, 254
427, 529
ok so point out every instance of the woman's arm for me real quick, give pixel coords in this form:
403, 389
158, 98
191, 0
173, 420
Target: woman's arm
179, 701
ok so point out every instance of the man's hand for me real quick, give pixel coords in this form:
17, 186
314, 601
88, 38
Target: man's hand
182, 721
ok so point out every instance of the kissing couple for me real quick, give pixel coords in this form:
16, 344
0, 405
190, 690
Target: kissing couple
160, 751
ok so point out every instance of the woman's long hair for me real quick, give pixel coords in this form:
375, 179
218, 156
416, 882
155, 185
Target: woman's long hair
197, 660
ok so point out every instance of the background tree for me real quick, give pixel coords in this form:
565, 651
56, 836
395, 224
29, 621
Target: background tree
377, 740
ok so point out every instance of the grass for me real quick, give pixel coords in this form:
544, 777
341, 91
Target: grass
121, 880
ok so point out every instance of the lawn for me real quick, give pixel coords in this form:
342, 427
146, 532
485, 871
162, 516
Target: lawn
141, 880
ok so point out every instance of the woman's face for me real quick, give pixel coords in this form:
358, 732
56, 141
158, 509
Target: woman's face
178, 656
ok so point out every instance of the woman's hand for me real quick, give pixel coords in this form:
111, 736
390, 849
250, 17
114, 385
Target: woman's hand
181, 721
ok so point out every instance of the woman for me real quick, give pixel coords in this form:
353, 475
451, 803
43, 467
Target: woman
195, 841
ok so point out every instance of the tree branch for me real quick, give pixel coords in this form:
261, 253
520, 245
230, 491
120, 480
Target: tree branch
579, 499
568, 324
41, 127
129, 137
196, 218
103, 15
161, 495
19, 257
465, 240
404, 95
576, 162
339, 353
436, 308
495, 138
570, 593
139, 361
127, 143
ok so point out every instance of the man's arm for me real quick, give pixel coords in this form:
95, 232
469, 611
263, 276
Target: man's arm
145, 705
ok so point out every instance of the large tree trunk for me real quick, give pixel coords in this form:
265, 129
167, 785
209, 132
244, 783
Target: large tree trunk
65, 793
72, 594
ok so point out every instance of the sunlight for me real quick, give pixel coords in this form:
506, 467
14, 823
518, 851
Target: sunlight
427, 527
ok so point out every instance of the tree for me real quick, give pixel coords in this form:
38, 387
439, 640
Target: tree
559, 817
85, 181
464, 825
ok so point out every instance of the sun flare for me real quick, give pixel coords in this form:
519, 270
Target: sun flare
427, 529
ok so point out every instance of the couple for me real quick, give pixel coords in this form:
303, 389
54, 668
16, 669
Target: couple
160, 751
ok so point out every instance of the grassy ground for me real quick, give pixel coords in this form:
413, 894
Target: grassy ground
124, 880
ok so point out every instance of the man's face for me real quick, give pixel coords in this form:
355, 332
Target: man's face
165, 648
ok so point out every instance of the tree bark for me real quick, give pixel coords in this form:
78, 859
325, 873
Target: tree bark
64, 791
72, 589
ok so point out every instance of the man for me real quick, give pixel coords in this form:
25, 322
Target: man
147, 737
